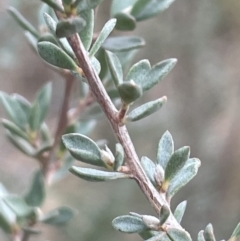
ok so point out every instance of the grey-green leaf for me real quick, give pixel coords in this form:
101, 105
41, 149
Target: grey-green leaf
178, 234
59, 216
40, 107
159, 237
94, 175
96, 65
121, 6
209, 233
158, 72
14, 110
146, 109
125, 22
139, 72
54, 5
107, 29
129, 224
119, 156
31, 40
36, 193
48, 37
123, 43
22, 21
180, 210
143, 10
165, 149
87, 33
129, 91
176, 162
19, 206
201, 236
24, 104
14, 129
7, 217
186, 174
21, 144
164, 214
83, 5
149, 168
67, 27
51, 23
236, 233
115, 68
53, 55
83, 149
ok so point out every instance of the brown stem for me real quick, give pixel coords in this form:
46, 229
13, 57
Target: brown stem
48, 160
98, 90
63, 118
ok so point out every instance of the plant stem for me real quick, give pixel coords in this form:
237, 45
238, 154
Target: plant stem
63, 117
48, 160
98, 90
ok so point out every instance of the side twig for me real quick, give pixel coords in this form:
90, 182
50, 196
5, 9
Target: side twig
98, 90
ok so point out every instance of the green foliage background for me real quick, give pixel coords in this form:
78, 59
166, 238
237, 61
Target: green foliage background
202, 111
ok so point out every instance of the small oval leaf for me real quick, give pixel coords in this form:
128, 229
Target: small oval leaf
123, 43
139, 72
149, 168
40, 107
51, 23
7, 218
125, 22
165, 149
119, 156
143, 10
59, 216
14, 110
158, 72
107, 29
185, 175
159, 237
146, 109
87, 33
19, 206
178, 235
36, 194
164, 214
83, 149
209, 233
236, 233
120, 6
201, 236
53, 55
21, 144
94, 175
14, 129
176, 162
129, 224
48, 37
54, 5
115, 68
180, 210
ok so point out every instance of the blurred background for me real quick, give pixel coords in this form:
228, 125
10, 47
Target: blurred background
202, 111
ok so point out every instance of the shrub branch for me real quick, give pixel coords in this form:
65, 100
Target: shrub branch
157, 200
